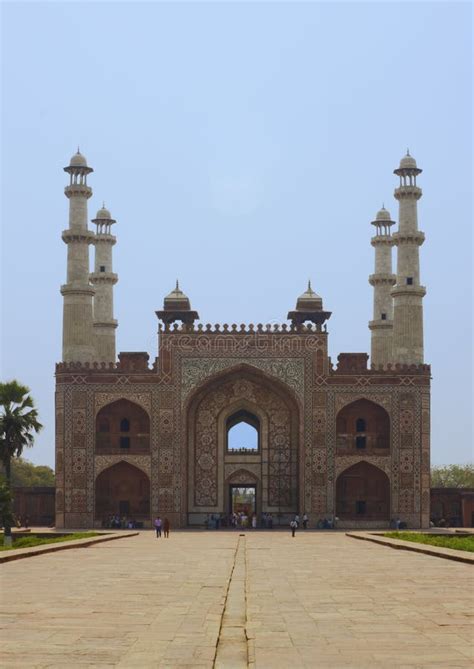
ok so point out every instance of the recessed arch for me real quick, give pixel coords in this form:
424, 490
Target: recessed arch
128, 428
363, 425
363, 493
124, 490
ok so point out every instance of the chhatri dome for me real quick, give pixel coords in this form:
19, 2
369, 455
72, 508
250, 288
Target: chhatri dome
176, 296
177, 307
104, 213
309, 300
309, 307
78, 160
408, 162
383, 215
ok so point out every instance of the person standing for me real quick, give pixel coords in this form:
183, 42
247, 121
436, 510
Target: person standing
158, 527
297, 520
293, 526
305, 521
166, 528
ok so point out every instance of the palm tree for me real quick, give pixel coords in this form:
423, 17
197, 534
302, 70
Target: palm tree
18, 421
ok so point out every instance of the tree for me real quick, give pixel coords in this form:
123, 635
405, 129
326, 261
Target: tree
25, 474
18, 422
453, 476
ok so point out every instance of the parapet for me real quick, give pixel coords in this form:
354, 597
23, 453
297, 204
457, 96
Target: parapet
128, 362
242, 329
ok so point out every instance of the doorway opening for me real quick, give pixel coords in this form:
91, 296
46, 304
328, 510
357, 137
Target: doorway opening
243, 500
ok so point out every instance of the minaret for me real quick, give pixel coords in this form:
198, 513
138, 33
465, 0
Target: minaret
104, 280
78, 339
382, 280
408, 293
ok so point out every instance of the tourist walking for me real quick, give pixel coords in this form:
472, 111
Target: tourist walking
293, 526
158, 526
305, 521
166, 528
297, 520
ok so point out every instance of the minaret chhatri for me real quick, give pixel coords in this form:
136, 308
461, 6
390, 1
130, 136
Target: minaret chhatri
408, 293
104, 280
382, 280
78, 338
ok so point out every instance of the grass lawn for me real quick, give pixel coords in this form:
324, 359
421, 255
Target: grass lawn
444, 541
29, 542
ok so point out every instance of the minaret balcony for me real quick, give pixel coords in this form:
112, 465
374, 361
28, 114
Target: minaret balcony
382, 240
77, 288
414, 291
403, 192
379, 324
111, 325
382, 279
74, 190
103, 277
81, 236
106, 239
416, 237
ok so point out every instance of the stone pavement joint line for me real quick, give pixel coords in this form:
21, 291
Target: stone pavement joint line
232, 642
208, 600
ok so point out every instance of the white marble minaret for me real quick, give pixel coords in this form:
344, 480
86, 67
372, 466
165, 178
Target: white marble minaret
382, 280
78, 338
408, 292
104, 280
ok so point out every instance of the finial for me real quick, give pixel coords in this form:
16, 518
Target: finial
309, 285
408, 152
103, 204
383, 205
177, 284
78, 149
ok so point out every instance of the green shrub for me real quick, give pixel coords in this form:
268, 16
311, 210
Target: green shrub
459, 543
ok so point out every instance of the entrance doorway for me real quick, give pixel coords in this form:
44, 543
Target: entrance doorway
243, 500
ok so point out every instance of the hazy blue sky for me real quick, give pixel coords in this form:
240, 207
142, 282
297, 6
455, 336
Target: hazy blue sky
242, 148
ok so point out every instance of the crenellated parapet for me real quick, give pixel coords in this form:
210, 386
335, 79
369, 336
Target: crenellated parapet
242, 329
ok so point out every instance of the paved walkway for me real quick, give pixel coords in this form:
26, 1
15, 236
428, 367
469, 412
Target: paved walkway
216, 599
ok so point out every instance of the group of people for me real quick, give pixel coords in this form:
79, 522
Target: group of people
162, 526
120, 523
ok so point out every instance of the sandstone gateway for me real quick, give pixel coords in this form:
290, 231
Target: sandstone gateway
140, 439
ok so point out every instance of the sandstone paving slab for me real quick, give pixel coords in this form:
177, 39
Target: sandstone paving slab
322, 600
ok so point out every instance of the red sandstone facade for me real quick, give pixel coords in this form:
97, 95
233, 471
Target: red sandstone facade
349, 441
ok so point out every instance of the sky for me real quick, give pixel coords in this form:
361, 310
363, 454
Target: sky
242, 148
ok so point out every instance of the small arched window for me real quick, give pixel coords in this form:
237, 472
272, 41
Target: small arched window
360, 425
124, 425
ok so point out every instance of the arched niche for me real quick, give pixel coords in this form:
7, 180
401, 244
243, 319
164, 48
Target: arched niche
363, 427
363, 493
122, 490
122, 427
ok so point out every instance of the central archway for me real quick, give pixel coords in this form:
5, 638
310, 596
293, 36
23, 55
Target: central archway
243, 395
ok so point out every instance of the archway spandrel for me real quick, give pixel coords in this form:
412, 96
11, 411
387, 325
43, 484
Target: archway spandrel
382, 462
195, 371
142, 399
142, 462
343, 399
